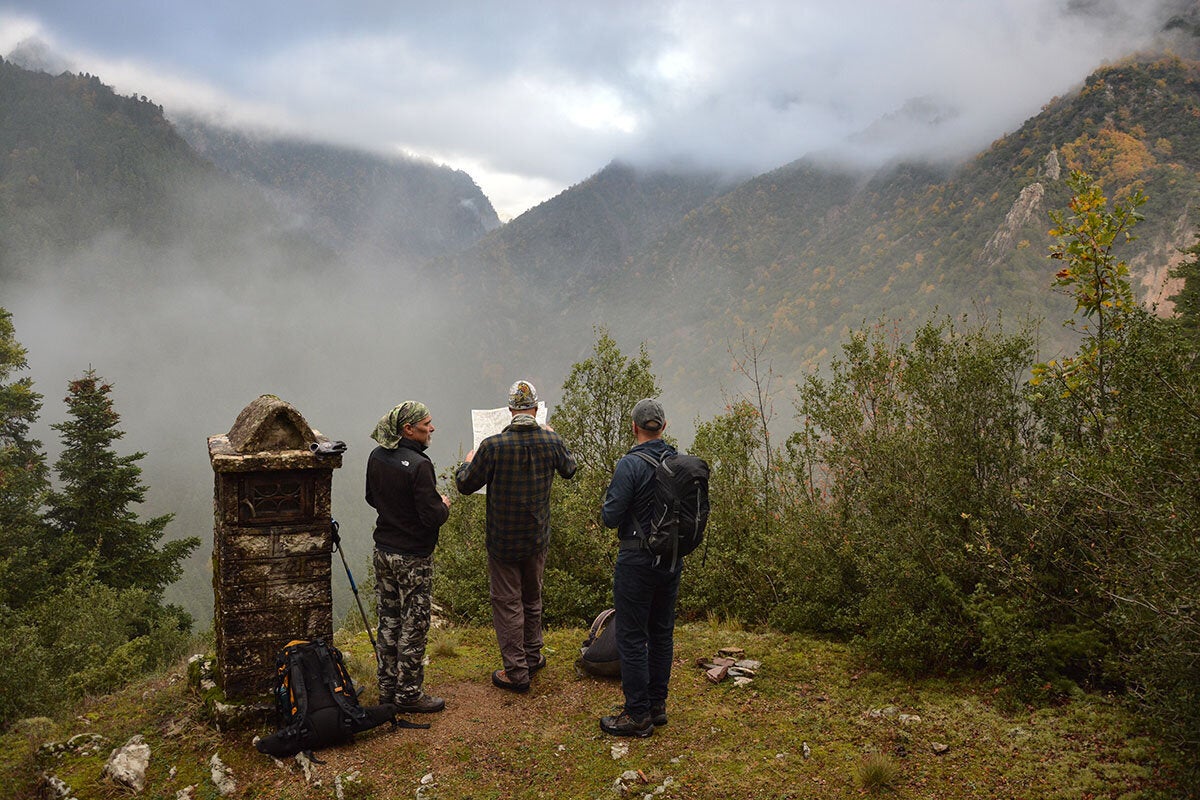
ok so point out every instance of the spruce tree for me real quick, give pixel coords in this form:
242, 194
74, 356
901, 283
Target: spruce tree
92, 512
23, 476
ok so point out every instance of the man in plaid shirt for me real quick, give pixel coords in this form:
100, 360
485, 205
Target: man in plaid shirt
517, 465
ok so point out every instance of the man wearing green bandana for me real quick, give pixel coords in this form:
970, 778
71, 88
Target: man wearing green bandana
402, 488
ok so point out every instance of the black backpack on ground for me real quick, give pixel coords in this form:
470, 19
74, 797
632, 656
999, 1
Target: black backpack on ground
598, 654
680, 506
316, 702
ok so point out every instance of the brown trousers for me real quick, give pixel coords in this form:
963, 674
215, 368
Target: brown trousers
516, 591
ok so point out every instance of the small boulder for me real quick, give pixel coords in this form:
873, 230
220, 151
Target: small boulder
717, 674
127, 764
222, 777
54, 788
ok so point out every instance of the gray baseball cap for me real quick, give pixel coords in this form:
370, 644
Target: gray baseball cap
648, 415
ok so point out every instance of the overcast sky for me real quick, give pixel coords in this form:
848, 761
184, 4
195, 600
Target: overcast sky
532, 97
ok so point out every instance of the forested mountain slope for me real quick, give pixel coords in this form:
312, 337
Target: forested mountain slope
350, 200
79, 162
914, 237
817, 247
587, 234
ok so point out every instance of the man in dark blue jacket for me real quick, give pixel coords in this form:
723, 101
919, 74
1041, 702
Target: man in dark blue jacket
402, 488
643, 594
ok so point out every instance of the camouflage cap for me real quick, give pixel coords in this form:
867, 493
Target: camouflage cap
522, 396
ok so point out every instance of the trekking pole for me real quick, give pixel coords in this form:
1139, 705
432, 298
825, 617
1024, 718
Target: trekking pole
337, 541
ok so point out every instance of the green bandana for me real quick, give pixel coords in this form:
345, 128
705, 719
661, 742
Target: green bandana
390, 427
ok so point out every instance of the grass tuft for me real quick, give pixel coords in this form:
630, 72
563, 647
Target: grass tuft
444, 644
720, 623
876, 772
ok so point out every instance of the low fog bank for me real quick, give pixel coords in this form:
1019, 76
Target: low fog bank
188, 343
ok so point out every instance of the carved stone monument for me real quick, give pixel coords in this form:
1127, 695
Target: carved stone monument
272, 542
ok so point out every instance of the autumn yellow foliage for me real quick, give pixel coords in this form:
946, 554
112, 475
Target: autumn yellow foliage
1114, 157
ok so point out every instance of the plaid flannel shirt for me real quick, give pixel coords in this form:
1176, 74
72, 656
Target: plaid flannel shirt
517, 465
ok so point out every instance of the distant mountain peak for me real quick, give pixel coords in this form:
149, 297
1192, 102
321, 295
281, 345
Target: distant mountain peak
909, 127
35, 55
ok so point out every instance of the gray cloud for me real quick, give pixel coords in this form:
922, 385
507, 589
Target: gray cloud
532, 97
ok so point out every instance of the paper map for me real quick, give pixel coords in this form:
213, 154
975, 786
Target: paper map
487, 422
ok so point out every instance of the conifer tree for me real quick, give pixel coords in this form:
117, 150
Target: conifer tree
23, 475
92, 512
1187, 301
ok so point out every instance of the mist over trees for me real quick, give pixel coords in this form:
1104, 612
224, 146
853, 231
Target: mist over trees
399, 209
81, 575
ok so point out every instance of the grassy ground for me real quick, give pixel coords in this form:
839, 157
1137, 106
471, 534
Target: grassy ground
814, 724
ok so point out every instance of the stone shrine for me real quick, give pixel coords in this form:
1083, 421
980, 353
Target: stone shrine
272, 541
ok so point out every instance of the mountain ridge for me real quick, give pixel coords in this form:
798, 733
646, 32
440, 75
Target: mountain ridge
397, 205
812, 250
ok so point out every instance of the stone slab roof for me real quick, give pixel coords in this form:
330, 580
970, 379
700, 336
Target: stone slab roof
269, 434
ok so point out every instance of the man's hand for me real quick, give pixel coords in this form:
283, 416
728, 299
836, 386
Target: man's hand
446, 500
469, 456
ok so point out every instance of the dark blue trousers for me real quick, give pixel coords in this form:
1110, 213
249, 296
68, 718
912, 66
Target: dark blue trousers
644, 597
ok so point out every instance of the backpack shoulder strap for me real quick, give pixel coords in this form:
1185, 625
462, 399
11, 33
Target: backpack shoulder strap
333, 669
297, 687
599, 622
649, 459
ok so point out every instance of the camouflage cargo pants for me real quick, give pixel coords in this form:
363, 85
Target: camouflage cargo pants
403, 587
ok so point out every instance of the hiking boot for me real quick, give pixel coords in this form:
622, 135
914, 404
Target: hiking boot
625, 725
658, 714
535, 666
421, 704
501, 681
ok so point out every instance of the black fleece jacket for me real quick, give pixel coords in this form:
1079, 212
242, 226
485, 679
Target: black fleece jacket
402, 488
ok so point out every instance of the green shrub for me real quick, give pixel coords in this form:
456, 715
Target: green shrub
87, 638
460, 576
736, 572
908, 456
1133, 509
